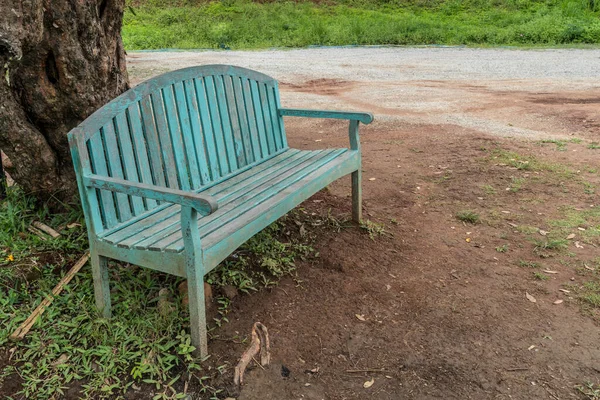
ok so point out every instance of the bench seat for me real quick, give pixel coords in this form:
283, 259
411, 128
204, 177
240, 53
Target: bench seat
250, 195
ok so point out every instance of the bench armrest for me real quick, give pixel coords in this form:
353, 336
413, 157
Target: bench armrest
365, 118
204, 204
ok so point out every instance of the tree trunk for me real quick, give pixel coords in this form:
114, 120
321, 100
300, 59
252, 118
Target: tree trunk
60, 60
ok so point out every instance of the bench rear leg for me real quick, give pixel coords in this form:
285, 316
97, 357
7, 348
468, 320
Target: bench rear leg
101, 286
357, 196
195, 281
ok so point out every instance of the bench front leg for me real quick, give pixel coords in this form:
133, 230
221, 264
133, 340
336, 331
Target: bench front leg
195, 279
101, 286
356, 175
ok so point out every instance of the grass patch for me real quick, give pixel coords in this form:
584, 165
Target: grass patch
244, 24
528, 264
502, 249
468, 216
540, 277
589, 390
373, 228
531, 163
574, 220
71, 345
488, 189
594, 146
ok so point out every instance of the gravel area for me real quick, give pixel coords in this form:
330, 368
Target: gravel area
424, 85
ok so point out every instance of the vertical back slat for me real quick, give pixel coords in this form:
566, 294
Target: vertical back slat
202, 147
98, 161
238, 94
140, 149
275, 118
260, 123
115, 169
234, 118
266, 113
189, 142
129, 160
217, 131
249, 108
175, 133
225, 122
279, 117
151, 134
166, 147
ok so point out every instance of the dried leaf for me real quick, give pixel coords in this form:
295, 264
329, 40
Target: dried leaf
581, 229
468, 240
531, 347
513, 225
558, 302
571, 236
368, 384
360, 317
565, 290
550, 271
542, 232
372, 179
578, 245
530, 298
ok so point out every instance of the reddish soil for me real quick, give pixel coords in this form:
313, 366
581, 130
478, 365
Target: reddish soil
443, 317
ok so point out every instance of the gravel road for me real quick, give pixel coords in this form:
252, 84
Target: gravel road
522, 93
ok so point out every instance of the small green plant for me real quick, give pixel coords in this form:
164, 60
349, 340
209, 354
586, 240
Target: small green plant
594, 146
528, 264
516, 184
372, 228
589, 390
540, 277
488, 189
561, 145
502, 249
552, 244
468, 216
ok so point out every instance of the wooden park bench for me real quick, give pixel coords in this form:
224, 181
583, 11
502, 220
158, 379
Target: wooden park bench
178, 172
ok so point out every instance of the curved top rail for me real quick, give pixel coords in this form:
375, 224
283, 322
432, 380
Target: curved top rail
119, 104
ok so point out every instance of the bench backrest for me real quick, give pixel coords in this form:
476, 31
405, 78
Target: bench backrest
186, 129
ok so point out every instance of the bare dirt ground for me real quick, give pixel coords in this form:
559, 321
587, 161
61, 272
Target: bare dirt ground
443, 304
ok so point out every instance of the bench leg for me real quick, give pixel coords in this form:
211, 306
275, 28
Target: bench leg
101, 287
357, 196
195, 283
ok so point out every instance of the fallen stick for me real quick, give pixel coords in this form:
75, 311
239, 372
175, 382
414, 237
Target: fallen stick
37, 232
22, 330
354, 371
259, 342
45, 228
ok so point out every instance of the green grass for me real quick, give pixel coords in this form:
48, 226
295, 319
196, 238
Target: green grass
70, 344
468, 216
243, 24
540, 277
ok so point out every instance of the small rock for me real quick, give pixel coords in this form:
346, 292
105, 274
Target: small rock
230, 291
165, 306
183, 291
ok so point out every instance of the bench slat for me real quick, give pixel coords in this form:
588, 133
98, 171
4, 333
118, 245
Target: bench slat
215, 133
243, 120
166, 146
212, 161
266, 113
241, 181
175, 133
152, 142
128, 156
195, 134
252, 122
140, 150
235, 119
99, 166
189, 147
115, 169
272, 109
260, 122
226, 132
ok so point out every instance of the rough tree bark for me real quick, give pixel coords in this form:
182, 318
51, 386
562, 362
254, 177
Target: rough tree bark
60, 60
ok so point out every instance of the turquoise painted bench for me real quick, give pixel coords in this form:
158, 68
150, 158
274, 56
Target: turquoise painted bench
178, 172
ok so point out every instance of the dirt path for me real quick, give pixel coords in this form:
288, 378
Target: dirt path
444, 302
